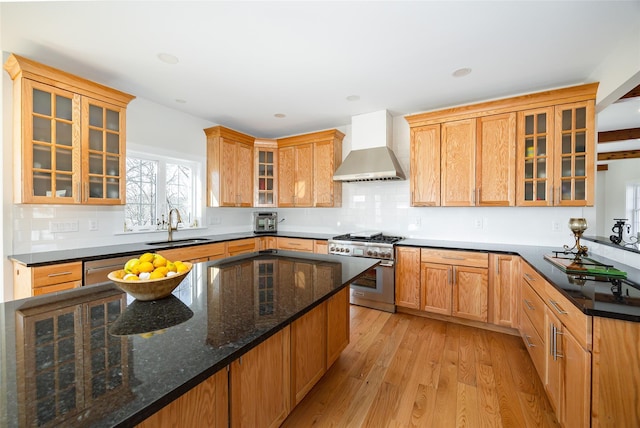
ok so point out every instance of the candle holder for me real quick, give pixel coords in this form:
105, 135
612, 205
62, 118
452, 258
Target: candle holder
577, 226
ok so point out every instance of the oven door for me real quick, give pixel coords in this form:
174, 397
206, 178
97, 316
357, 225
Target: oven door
375, 288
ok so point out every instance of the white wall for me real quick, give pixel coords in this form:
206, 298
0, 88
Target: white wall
621, 173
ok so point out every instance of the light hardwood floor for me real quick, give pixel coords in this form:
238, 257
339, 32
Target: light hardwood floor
400, 370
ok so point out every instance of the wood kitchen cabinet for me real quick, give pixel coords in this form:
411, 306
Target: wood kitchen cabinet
260, 383
408, 277
241, 246
266, 173
455, 283
556, 155
530, 150
196, 253
33, 281
504, 285
230, 166
338, 325
321, 246
267, 243
69, 137
295, 244
205, 405
306, 164
308, 352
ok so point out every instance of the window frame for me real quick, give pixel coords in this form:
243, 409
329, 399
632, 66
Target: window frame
161, 189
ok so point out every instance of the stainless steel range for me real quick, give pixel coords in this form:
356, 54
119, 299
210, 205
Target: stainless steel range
376, 288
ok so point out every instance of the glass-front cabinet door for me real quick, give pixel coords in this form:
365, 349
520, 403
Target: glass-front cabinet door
266, 155
103, 167
535, 157
574, 151
51, 153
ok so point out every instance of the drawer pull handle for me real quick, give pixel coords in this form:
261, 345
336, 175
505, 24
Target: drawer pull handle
453, 258
528, 342
529, 305
51, 275
557, 307
529, 277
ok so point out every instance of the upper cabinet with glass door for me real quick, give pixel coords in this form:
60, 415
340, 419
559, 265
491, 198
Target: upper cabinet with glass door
69, 137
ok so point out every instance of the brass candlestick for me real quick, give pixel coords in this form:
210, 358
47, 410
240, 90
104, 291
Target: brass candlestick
577, 226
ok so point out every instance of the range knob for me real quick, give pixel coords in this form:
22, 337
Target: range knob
342, 250
375, 254
369, 253
347, 250
332, 248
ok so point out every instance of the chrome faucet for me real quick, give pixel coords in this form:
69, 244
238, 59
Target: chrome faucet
178, 220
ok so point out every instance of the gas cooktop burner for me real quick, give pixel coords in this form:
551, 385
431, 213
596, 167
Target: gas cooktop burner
368, 237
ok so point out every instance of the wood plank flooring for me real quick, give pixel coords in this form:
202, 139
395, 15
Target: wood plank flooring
400, 370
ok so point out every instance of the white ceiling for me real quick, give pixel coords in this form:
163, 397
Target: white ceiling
242, 62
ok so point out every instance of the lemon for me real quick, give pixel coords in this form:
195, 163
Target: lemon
159, 261
181, 268
145, 267
162, 270
131, 277
147, 257
171, 266
130, 264
155, 275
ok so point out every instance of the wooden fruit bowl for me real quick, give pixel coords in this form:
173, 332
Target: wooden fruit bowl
149, 289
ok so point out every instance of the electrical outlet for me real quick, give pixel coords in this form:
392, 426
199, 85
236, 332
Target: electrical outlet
63, 226
214, 220
478, 223
555, 226
418, 221
93, 225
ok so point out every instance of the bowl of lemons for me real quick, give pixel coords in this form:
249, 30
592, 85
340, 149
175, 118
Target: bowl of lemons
150, 276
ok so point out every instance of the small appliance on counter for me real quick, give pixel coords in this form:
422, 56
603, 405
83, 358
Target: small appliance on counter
265, 222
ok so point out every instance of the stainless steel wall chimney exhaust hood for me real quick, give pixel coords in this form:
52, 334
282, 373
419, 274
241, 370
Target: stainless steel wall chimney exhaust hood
371, 158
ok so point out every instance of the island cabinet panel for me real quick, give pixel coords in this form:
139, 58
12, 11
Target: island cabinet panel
308, 352
495, 183
206, 405
616, 373
458, 151
260, 384
425, 166
33, 281
504, 281
230, 166
338, 327
408, 277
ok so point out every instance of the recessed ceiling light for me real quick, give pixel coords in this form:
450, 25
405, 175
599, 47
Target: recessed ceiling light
353, 97
461, 72
168, 58
279, 115
181, 101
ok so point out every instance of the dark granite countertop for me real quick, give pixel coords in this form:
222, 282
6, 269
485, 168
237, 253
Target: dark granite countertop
95, 357
108, 251
595, 296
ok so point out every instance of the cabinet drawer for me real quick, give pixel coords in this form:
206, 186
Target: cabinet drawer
534, 279
56, 274
534, 344
295, 244
576, 321
195, 253
57, 287
532, 306
451, 257
241, 246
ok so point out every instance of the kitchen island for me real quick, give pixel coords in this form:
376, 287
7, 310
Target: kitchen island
95, 357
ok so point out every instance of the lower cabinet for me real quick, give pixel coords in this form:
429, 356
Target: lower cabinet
33, 281
408, 277
206, 405
557, 336
260, 384
338, 322
295, 244
504, 278
455, 283
196, 253
241, 246
308, 351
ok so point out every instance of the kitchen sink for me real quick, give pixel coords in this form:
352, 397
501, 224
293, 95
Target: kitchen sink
179, 241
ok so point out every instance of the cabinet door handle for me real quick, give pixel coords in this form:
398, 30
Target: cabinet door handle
498, 265
51, 275
449, 276
529, 305
557, 307
453, 258
528, 341
453, 276
554, 342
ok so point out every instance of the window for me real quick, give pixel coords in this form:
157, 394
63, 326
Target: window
154, 186
633, 208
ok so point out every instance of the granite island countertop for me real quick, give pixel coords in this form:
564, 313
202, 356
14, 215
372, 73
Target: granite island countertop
95, 357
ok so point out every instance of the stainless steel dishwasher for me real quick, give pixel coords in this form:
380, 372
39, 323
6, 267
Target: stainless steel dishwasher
96, 271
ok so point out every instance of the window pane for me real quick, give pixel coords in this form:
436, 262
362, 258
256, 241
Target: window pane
141, 192
180, 191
